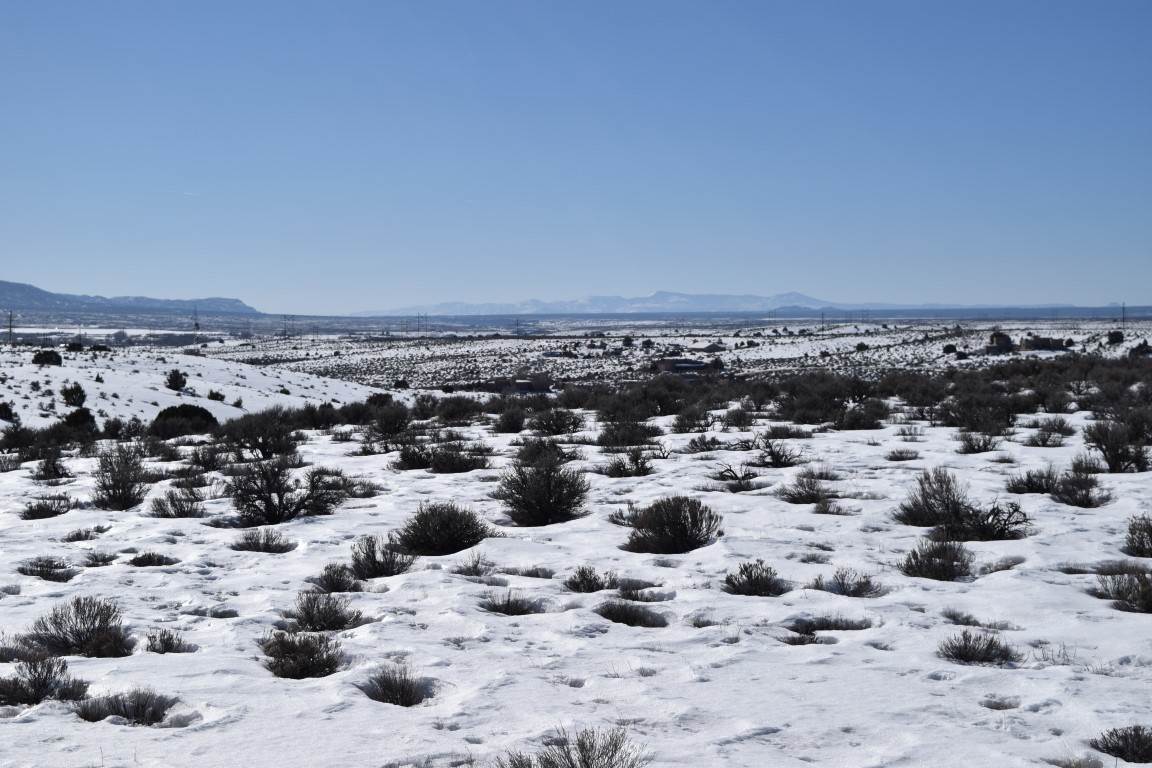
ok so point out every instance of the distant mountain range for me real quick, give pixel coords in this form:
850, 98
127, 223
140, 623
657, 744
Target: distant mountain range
659, 302
21, 297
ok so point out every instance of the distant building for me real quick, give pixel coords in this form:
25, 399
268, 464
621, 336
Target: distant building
679, 365
1042, 344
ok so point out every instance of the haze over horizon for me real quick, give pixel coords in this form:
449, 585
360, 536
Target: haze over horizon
312, 159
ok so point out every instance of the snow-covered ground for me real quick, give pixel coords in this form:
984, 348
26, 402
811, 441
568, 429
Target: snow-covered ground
716, 687
572, 353
127, 383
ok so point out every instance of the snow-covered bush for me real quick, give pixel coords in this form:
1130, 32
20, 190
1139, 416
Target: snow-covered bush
542, 493
672, 525
442, 528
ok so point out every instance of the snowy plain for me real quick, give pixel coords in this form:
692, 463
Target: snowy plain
716, 687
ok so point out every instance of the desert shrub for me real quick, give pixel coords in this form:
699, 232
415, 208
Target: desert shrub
1077, 489
818, 472
556, 421
1132, 744
474, 566
739, 419
672, 525
73, 394
1120, 449
167, 641
939, 560
624, 434
977, 648
155, 448
538, 450
542, 493
178, 503
910, 434
336, 577
85, 626
777, 454
395, 685
121, 480
786, 432
867, 414
632, 614
323, 612
511, 604
1034, 481
810, 625
47, 357
151, 560
375, 557
139, 706
849, 583
634, 589
1138, 541
902, 454
84, 534
531, 572
301, 655
975, 408
389, 421
48, 568
588, 749
457, 409
442, 528
9, 462
450, 458
46, 507
97, 559
692, 419
977, 442
510, 421
703, 444
805, 490
586, 579
175, 380
183, 419
755, 579
209, 458
633, 464
955, 616
1057, 425
1129, 591
265, 434
1044, 439
267, 540
40, 679
51, 466
264, 493
997, 522
1084, 464
937, 497
413, 456
735, 479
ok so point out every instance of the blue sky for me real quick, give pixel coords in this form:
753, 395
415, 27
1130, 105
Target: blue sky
345, 156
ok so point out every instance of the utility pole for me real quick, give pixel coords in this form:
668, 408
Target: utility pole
11, 330
1123, 315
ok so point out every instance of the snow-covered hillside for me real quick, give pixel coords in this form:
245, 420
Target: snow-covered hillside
131, 383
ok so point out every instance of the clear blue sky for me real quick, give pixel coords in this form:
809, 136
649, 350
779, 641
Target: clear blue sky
344, 156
